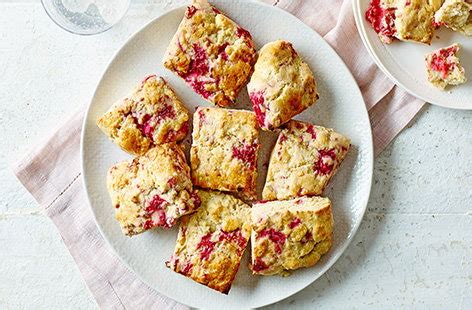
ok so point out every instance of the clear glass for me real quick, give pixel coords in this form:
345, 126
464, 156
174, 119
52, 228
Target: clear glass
86, 17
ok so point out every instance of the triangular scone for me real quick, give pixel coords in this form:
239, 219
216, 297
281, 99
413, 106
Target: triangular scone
211, 53
444, 68
303, 160
152, 190
281, 86
212, 241
151, 115
457, 15
290, 234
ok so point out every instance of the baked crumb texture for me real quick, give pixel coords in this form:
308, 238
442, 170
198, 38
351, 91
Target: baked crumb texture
290, 234
457, 15
211, 241
211, 53
281, 86
152, 190
224, 150
406, 20
303, 161
151, 115
444, 68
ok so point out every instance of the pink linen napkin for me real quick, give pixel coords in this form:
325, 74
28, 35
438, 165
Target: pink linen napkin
52, 173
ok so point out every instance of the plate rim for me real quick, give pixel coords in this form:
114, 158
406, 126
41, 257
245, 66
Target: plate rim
369, 156
358, 17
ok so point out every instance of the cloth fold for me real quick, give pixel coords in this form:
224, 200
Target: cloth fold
51, 172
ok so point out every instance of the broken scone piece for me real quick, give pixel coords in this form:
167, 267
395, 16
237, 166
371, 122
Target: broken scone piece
457, 15
224, 150
290, 234
281, 86
211, 241
152, 190
444, 68
211, 53
406, 20
151, 115
303, 160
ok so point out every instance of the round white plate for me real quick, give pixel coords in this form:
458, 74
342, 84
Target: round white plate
340, 106
403, 62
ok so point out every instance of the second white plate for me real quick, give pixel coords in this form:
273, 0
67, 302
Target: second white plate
403, 62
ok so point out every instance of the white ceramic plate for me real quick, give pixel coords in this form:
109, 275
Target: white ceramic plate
403, 62
341, 106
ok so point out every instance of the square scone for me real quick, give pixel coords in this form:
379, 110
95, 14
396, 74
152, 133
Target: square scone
151, 115
211, 53
303, 161
224, 150
281, 86
444, 68
212, 241
152, 190
290, 234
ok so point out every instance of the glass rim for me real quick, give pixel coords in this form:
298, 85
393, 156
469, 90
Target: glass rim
84, 33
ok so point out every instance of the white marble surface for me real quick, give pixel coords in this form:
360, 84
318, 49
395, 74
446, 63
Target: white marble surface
413, 249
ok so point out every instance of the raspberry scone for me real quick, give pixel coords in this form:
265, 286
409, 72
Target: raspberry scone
303, 161
444, 68
281, 86
457, 15
152, 190
151, 115
290, 234
406, 20
211, 53
224, 150
211, 241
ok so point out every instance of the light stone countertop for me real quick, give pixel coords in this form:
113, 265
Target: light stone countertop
413, 249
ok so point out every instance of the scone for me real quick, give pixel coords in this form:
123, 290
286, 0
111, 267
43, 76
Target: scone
406, 20
151, 115
457, 15
211, 53
290, 234
211, 241
152, 190
444, 68
303, 161
224, 150
281, 86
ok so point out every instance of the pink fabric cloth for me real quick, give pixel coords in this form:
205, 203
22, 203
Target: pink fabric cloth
52, 173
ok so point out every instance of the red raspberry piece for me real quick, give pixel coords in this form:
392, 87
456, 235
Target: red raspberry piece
259, 265
206, 246
257, 99
277, 237
246, 153
191, 10
294, 223
325, 163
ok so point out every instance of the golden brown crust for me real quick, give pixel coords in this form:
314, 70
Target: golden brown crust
212, 241
211, 53
224, 150
152, 190
303, 161
281, 86
151, 115
291, 234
